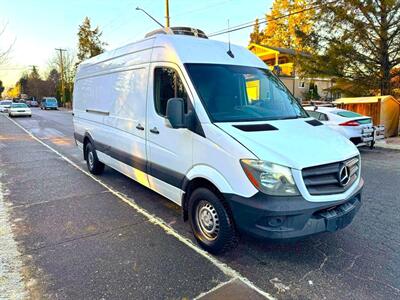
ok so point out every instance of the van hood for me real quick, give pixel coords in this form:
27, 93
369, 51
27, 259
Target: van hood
293, 143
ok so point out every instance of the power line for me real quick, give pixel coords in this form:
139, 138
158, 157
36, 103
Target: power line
266, 20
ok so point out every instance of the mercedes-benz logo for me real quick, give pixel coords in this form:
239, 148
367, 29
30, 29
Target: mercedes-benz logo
344, 175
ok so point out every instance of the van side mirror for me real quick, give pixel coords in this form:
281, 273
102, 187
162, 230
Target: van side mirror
176, 112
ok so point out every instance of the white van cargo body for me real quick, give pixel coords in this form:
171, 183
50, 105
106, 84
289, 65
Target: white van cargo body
217, 133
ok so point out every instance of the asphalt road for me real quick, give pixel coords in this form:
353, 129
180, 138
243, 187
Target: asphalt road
360, 262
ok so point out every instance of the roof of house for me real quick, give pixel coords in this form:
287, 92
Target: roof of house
366, 99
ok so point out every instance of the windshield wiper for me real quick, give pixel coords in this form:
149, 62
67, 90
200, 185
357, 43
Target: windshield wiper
289, 118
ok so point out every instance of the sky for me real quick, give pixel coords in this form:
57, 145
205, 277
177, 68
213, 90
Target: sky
37, 27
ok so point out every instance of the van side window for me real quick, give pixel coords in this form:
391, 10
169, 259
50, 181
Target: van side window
167, 85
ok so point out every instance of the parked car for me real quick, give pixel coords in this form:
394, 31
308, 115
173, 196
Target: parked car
34, 103
49, 103
183, 124
19, 109
355, 127
5, 105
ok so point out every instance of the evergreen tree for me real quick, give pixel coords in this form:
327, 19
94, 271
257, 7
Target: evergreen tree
359, 45
34, 73
89, 43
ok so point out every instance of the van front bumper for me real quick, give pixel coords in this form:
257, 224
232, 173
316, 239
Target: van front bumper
276, 217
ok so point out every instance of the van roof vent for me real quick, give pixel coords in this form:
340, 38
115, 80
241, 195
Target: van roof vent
179, 31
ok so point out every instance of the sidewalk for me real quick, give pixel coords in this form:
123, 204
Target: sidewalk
389, 143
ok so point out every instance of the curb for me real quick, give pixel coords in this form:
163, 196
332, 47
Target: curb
387, 146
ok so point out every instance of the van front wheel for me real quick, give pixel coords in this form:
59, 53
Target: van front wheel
95, 166
211, 222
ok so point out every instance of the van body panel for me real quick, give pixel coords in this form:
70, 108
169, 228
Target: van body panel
220, 152
122, 58
170, 154
186, 49
295, 144
114, 109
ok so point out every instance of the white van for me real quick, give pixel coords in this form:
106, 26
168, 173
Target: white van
217, 133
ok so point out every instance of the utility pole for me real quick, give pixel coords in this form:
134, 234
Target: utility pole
62, 74
167, 12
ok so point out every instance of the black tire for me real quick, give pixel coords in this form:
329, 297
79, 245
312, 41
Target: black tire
94, 166
219, 234
371, 146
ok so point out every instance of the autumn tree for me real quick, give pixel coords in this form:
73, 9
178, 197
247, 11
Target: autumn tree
14, 92
359, 45
89, 43
286, 25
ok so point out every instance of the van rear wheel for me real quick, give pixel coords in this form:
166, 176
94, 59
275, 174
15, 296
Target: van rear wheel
211, 222
94, 166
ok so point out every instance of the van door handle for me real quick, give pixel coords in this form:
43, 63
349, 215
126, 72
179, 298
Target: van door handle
139, 127
154, 130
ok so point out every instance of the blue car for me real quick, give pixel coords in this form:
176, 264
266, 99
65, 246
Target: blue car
49, 103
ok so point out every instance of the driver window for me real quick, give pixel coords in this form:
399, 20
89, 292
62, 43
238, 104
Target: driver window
167, 85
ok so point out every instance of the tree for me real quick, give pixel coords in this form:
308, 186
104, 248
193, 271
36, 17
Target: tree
34, 73
69, 67
256, 36
89, 43
23, 83
359, 45
14, 92
4, 51
1, 88
34, 83
54, 77
286, 28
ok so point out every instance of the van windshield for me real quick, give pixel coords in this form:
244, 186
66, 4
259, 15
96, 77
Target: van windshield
51, 100
238, 93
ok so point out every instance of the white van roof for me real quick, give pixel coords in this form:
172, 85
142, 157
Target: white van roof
179, 49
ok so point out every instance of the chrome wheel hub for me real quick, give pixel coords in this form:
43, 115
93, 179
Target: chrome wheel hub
207, 220
91, 159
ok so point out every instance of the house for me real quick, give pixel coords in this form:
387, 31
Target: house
282, 62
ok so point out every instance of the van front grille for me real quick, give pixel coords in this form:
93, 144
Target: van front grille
331, 178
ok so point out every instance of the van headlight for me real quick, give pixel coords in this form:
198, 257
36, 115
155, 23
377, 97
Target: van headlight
269, 178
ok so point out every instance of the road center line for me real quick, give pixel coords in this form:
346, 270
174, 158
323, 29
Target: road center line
156, 220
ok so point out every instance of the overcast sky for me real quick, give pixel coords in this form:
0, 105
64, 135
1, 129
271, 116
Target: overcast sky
39, 26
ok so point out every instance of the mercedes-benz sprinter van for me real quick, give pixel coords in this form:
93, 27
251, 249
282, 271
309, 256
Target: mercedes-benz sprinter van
209, 127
